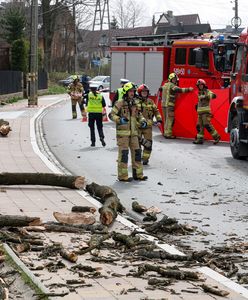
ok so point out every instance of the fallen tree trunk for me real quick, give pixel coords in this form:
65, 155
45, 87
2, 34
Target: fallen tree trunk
67, 181
108, 197
15, 221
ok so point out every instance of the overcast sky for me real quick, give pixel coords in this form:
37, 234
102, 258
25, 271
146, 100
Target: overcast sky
217, 13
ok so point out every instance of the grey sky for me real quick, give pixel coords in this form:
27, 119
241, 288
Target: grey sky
216, 12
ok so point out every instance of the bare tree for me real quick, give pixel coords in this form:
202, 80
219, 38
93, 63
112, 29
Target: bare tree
128, 13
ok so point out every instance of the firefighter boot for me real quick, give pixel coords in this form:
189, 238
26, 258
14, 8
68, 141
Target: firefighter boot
129, 179
198, 142
145, 162
216, 140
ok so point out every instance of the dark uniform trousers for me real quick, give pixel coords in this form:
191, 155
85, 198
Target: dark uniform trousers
95, 117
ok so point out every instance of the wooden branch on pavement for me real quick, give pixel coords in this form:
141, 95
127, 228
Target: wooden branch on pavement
67, 181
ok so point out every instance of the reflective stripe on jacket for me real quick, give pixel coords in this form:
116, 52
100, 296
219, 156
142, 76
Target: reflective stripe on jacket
149, 110
204, 98
94, 103
130, 111
169, 91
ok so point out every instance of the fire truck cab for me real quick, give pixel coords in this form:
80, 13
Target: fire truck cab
238, 110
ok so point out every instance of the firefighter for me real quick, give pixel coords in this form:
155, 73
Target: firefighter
149, 110
169, 93
95, 103
76, 91
204, 113
119, 93
126, 115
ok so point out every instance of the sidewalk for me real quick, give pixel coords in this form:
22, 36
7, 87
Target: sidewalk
108, 279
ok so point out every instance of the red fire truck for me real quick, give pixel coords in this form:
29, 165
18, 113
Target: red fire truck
238, 111
150, 59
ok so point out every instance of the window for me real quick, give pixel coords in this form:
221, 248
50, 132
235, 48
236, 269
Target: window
192, 54
205, 60
238, 61
180, 56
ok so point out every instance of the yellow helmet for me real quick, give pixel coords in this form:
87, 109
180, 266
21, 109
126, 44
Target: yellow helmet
75, 77
128, 86
173, 75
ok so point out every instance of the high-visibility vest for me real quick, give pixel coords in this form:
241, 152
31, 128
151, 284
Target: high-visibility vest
120, 93
94, 103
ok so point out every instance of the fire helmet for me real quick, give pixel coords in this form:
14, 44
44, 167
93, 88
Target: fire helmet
201, 81
173, 75
75, 77
143, 87
127, 87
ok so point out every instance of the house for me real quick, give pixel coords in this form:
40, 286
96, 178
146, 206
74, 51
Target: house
95, 45
179, 24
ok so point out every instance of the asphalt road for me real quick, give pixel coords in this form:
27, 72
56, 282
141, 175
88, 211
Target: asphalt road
198, 184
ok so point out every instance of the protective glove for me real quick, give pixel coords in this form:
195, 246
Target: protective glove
157, 123
143, 124
123, 120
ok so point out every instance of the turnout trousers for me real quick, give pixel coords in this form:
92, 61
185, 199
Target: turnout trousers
74, 106
169, 117
204, 121
147, 150
95, 118
124, 144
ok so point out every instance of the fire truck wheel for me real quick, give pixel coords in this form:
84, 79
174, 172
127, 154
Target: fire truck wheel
234, 140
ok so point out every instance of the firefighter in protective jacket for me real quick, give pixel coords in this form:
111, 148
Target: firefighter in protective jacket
76, 91
149, 110
169, 93
127, 117
204, 113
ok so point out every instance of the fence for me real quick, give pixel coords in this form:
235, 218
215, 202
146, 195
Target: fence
12, 82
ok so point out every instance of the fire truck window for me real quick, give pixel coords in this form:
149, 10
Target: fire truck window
192, 55
180, 56
205, 60
238, 60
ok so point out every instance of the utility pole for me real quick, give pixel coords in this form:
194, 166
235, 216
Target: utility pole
33, 62
75, 40
236, 21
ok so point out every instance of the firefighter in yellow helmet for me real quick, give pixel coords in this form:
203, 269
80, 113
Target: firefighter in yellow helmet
149, 110
169, 92
204, 113
76, 91
127, 117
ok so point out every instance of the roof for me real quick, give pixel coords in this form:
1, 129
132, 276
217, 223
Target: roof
196, 28
173, 20
94, 39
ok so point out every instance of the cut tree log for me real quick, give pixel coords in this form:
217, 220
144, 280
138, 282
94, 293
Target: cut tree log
108, 197
15, 221
67, 181
138, 207
83, 209
4, 127
214, 290
70, 256
75, 218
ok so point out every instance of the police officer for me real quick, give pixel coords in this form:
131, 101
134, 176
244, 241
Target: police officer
75, 90
149, 110
126, 115
204, 113
169, 93
119, 93
95, 103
